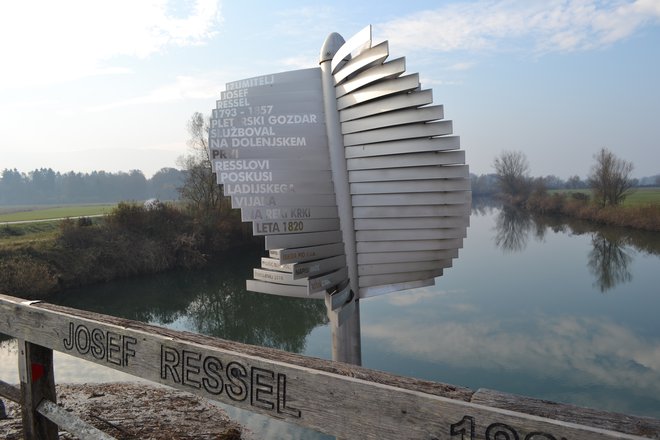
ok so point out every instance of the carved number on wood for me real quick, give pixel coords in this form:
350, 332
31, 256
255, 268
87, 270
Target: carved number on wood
496, 431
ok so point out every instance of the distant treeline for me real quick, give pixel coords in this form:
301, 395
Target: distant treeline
487, 184
45, 186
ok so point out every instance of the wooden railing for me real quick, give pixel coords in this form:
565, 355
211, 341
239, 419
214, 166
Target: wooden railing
339, 399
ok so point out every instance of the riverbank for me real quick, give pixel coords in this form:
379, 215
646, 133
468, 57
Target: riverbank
135, 411
643, 216
132, 240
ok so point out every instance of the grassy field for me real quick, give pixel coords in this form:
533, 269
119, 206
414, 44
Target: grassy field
640, 196
31, 213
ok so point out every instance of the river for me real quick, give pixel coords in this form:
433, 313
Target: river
535, 306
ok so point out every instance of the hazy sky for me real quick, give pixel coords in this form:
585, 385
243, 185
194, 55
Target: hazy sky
110, 85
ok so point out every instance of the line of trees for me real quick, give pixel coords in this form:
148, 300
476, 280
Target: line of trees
46, 186
609, 179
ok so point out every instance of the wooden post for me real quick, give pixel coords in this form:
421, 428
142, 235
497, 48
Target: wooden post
35, 366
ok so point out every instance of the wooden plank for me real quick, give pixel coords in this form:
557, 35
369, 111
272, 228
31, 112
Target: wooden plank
642, 426
10, 392
70, 422
391, 103
319, 394
35, 369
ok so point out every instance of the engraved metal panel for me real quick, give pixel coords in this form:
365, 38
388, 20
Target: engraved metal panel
281, 200
278, 277
281, 289
293, 212
299, 255
267, 227
327, 281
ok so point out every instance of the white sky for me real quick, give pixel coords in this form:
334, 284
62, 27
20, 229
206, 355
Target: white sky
103, 85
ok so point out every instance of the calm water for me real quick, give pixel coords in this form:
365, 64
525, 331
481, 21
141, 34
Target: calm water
566, 312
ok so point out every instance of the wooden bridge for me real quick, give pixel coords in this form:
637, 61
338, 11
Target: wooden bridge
339, 399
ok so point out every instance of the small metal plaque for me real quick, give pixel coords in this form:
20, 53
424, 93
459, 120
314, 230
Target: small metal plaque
281, 200
299, 255
289, 213
292, 226
327, 281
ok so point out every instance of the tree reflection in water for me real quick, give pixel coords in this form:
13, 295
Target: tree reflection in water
610, 258
512, 228
609, 261
212, 301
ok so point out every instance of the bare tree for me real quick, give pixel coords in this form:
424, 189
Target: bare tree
610, 178
200, 188
512, 170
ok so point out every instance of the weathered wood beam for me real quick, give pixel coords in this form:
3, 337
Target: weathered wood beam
35, 368
70, 422
10, 392
338, 399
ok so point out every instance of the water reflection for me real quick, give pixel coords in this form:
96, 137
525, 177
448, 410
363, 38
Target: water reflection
214, 303
512, 228
612, 249
609, 261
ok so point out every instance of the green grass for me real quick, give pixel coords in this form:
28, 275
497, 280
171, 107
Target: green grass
639, 196
31, 213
